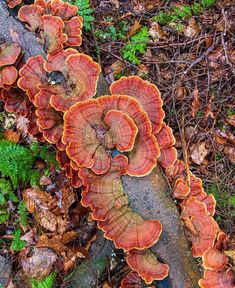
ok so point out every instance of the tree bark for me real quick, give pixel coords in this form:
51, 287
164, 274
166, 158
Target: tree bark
149, 195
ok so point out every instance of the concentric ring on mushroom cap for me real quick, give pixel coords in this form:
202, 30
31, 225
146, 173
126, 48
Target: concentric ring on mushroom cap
131, 280
145, 93
9, 52
220, 279
80, 78
31, 14
8, 75
85, 130
147, 266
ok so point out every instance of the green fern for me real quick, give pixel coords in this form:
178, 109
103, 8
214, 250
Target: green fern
23, 213
85, 11
136, 46
47, 282
16, 162
17, 244
6, 194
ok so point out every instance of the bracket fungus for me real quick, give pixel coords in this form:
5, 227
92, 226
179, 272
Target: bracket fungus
55, 23
131, 280
9, 53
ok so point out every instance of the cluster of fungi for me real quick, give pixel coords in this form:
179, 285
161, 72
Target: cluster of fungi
100, 139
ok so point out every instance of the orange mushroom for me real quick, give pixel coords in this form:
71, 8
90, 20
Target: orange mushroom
16, 101
9, 52
131, 280
221, 279
147, 95
13, 3
214, 259
129, 230
89, 121
52, 34
32, 15
72, 28
202, 228
147, 266
8, 75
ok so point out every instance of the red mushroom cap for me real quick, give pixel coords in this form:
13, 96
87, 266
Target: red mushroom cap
72, 28
62, 9
145, 93
85, 121
13, 3
31, 14
80, 78
52, 33
9, 52
213, 259
147, 266
8, 75
214, 279
131, 280
129, 230
33, 76
181, 189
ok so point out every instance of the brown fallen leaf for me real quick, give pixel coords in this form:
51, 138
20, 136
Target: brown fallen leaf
192, 29
157, 32
37, 263
12, 136
198, 152
136, 27
230, 151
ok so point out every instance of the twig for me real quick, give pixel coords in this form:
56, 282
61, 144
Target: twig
199, 59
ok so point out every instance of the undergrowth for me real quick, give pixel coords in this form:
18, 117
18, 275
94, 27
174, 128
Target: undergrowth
85, 11
17, 244
136, 46
113, 32
47, 282
178, 13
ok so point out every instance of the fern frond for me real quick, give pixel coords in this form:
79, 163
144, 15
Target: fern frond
47, 282
16, 162
17, 244
23, 213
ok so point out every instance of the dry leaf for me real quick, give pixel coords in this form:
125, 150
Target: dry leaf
230, 151
231, 120
199, 152
192, 29
37, 263
157, 32
143, 70
195, 103
12, 136
180, 93
117, 67
136, 27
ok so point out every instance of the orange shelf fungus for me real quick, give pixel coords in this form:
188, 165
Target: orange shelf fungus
214, 259
15, 101
221, 279
147, 95
131, 280
8, 76
146, 265
181, 189
86, 121
80, 75
55, 22
202, 228
31, 14
13, 3
53, 38
9, 53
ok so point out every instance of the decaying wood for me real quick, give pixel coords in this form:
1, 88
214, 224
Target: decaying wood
149, 196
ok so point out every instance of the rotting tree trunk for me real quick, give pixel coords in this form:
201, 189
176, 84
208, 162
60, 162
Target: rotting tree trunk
149, 195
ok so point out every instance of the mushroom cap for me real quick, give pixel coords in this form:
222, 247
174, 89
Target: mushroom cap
13, 3
214, 279
52, 33
9, 52
80, 78
145, 93
181, 189
102, 192
86, 121
72, 28
8, 75
214, 259
202, 228
129, 230
62, 9
16, 101
167, 157
131, 280
32, 76
31, 14
147, 266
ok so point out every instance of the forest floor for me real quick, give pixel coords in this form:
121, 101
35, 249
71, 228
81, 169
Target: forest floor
190, 56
